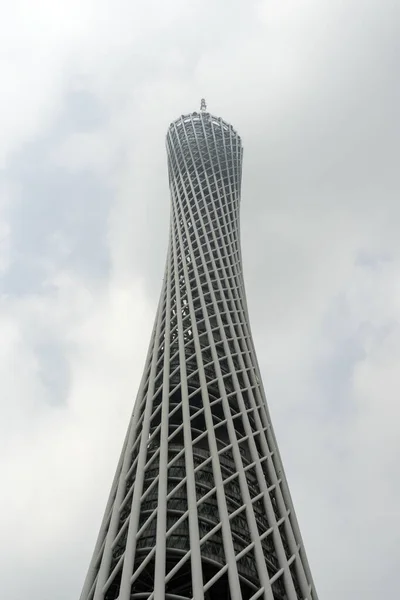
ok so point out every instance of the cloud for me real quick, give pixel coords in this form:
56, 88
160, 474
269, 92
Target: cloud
58, 455
89, 89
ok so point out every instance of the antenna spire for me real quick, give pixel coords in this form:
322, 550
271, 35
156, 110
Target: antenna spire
203, 105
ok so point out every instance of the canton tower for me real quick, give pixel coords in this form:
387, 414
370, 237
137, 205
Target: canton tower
200, 507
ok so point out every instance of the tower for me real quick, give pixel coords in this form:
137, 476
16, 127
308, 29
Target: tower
199, 507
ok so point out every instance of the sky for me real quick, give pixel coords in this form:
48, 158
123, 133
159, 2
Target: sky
88, 89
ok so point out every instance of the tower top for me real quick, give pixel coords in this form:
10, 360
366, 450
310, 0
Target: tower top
203, 105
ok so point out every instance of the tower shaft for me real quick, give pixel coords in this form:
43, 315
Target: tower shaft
200, 507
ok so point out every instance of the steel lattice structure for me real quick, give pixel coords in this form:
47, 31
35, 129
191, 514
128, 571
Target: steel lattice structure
200, 507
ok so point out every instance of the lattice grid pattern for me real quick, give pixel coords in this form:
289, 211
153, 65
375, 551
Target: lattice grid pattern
199, 506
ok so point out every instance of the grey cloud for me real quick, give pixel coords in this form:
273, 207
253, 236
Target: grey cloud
59, 219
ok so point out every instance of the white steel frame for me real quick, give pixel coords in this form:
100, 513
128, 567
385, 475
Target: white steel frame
200, 507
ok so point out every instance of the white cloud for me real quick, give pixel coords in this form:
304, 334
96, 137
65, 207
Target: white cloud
57, 457
312, 88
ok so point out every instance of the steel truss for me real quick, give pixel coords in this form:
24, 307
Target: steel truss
199, 507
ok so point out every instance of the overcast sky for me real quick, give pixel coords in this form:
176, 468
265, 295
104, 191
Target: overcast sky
88, 89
